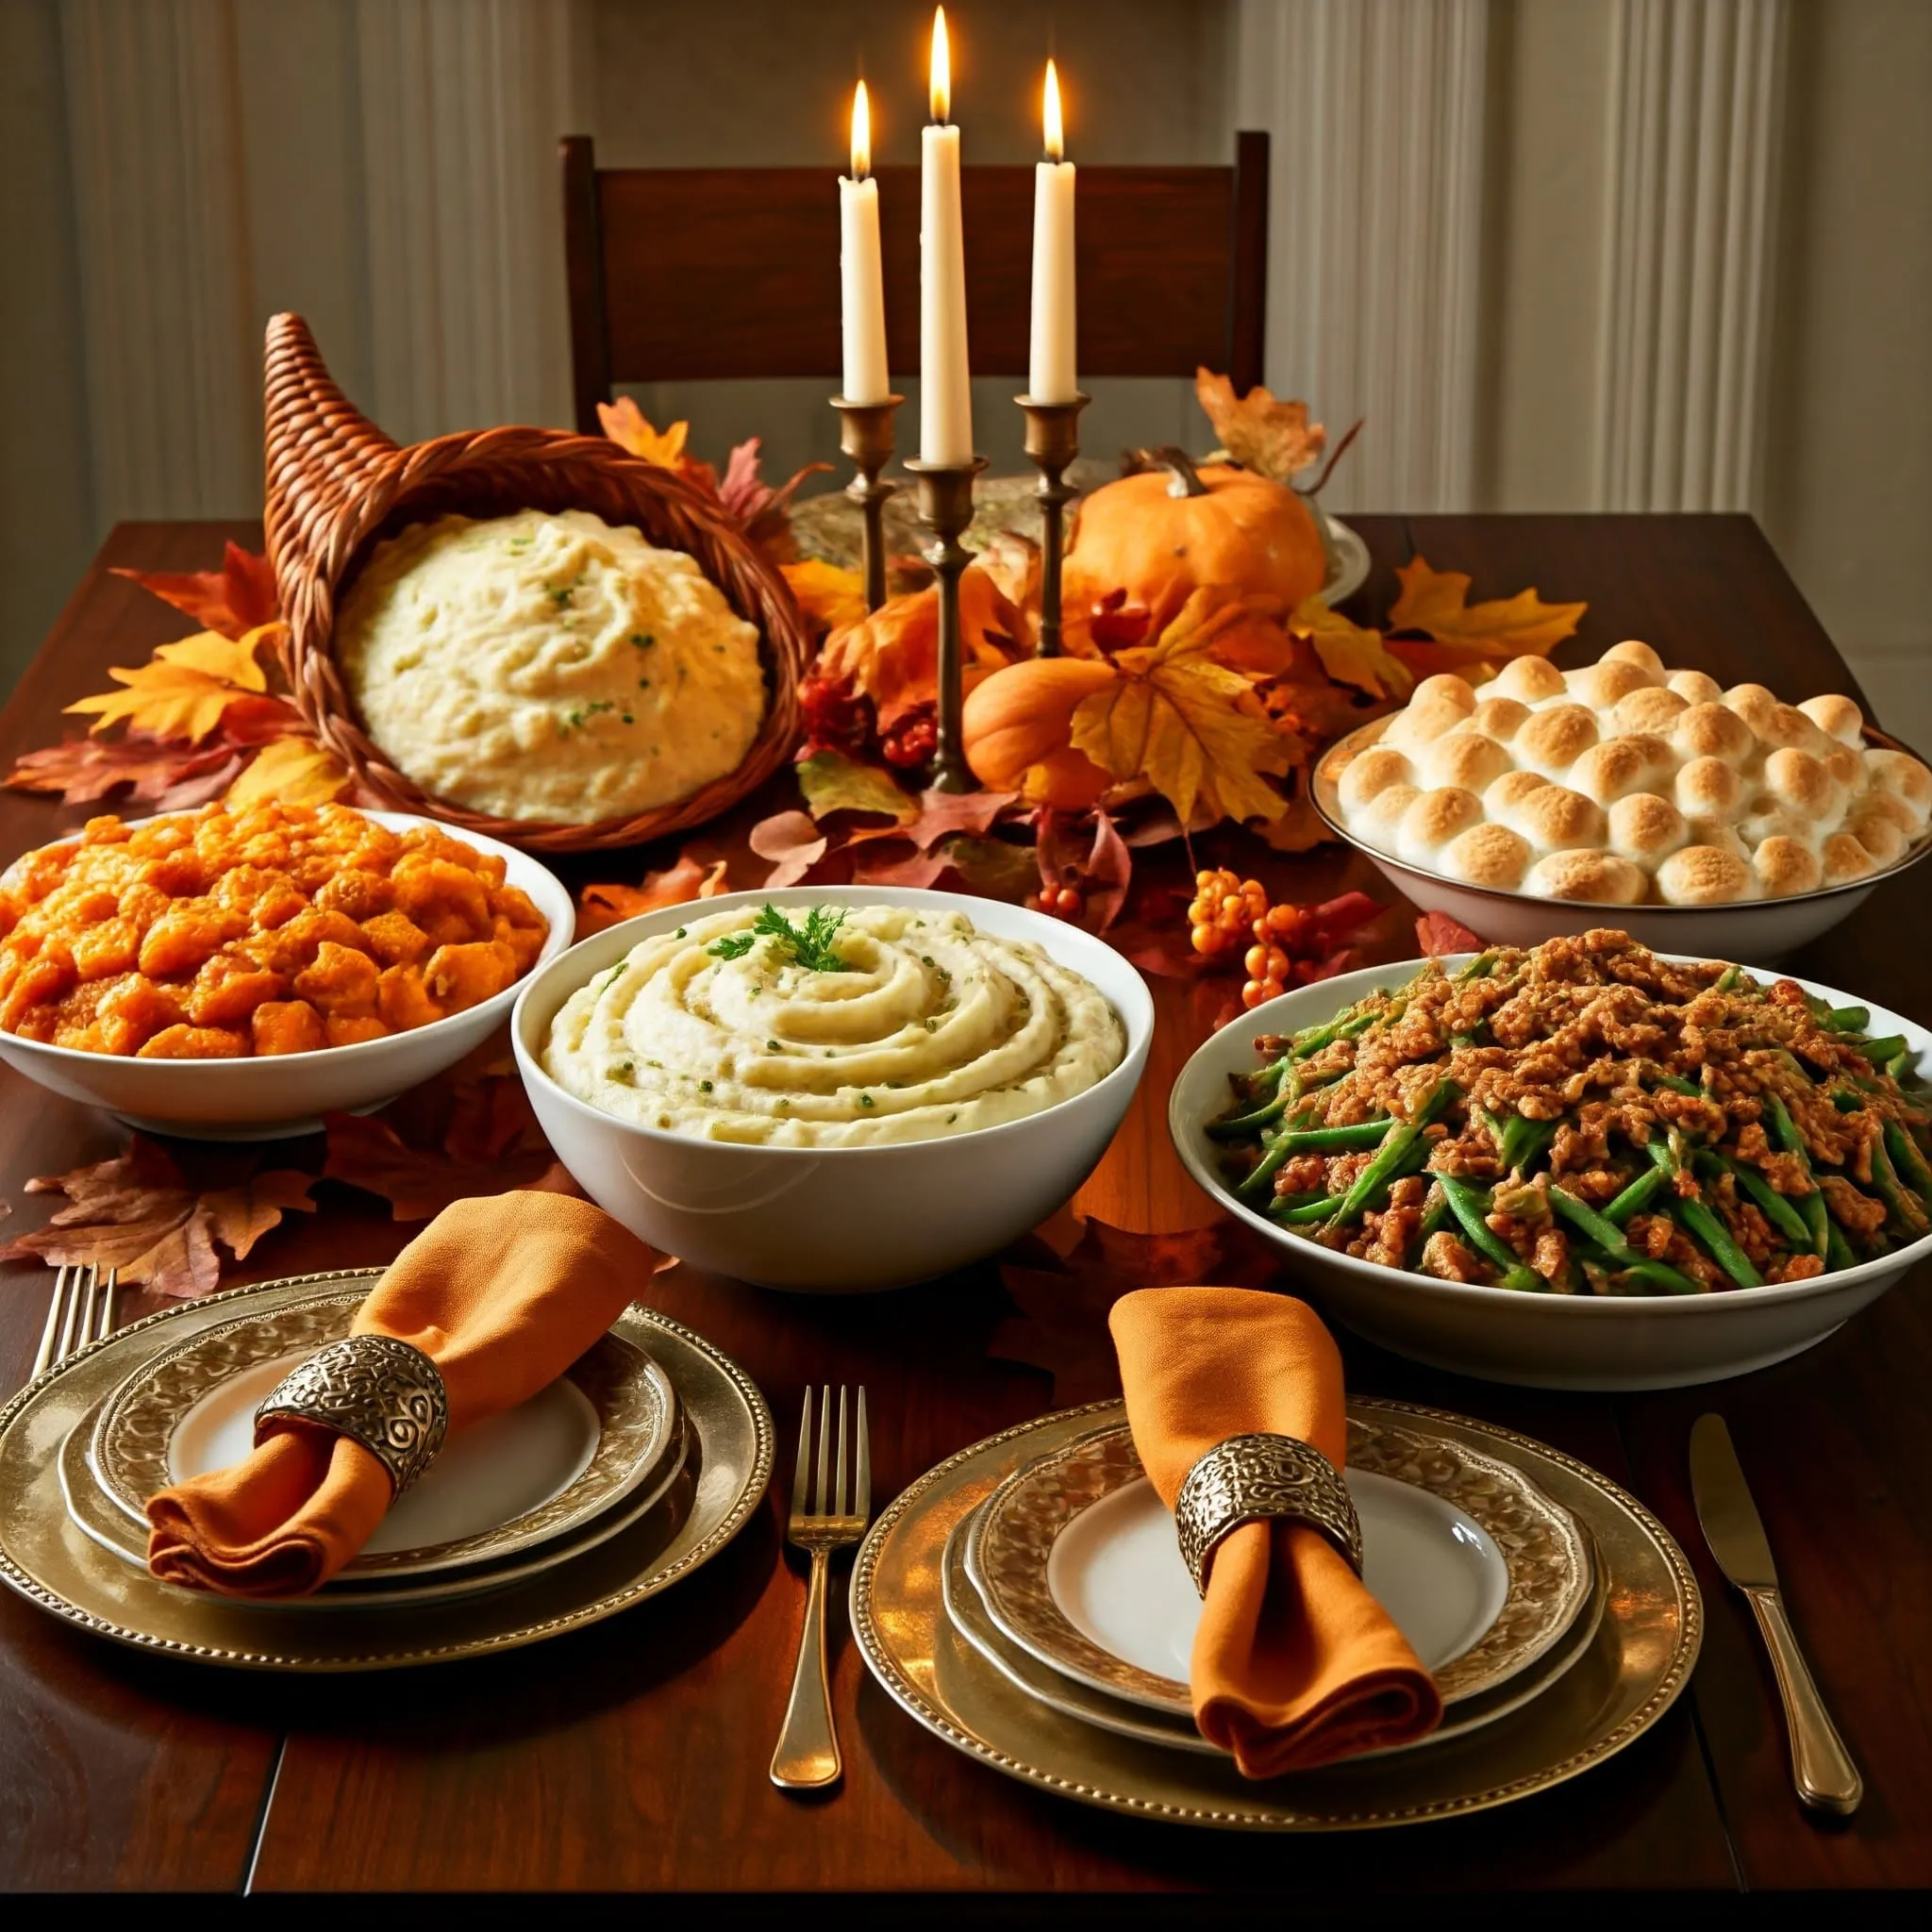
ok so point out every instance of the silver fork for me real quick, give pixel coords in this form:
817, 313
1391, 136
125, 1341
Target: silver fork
81, 1311
808, 1756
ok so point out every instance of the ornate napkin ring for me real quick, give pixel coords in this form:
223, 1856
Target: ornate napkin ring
375, 1389
1256, 1478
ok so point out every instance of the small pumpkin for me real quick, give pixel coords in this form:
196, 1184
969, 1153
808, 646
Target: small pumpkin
1165, 531
1016, 725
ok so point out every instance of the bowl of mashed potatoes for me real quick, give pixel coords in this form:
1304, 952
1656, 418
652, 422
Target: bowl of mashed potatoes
833, 1088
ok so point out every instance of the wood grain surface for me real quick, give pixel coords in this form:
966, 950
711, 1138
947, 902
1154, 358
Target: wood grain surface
633, 1755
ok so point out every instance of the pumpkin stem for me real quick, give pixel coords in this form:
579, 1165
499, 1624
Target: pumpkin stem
1184, 480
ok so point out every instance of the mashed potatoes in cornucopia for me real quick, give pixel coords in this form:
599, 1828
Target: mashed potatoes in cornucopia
542, 666
1624, 782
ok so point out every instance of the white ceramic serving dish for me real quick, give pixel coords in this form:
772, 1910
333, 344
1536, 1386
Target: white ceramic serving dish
835, 1219
283, 1094
1546, 1341
1750, 929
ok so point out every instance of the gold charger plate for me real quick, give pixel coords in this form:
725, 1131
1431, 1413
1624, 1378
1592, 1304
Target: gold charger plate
129, 1447
45, 1558
1627, 1678
1008, 1551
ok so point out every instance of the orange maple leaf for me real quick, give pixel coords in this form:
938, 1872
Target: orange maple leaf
1437, 604
1190, 726
602, 906
628, 426
831, 596
182, 691
295, 771
1350, 654
233, 600
1275, 439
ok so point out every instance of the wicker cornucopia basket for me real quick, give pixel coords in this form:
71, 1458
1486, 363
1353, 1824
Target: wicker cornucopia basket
337, 486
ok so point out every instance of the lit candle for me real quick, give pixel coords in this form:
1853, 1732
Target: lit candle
1051, 373
861, 283
946, 397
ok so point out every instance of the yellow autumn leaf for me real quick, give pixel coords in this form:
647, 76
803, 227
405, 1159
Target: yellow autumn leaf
1350, 654
1436, 602
291, 771
182, 691
1190, 728
628, 426
834, 596
1271, 439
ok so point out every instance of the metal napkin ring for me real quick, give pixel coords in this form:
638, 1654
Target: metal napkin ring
376, 1391
1256, 1478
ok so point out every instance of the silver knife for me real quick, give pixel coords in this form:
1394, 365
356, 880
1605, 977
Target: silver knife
1821, 1768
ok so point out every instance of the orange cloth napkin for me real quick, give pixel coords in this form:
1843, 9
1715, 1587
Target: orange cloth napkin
1295, 1664
502, 1294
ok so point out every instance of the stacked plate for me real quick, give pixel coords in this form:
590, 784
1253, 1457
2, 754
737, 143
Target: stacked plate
634, 1466
1028, 1602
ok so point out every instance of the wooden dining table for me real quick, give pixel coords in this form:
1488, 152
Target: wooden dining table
632, 1756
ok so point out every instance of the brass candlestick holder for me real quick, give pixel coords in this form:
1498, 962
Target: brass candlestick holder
946, 507
865, 435
1053, 441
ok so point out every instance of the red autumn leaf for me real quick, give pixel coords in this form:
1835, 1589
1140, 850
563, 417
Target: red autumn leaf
690, 879
141, 1213
232, 600
792, 841
87, 769
1438, 935
1098, 866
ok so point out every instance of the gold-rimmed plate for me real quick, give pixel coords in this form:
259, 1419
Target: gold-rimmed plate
46, 1559
547, 1469
1075, 1559
1622, 1684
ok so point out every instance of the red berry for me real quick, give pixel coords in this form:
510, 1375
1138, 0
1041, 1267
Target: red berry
1068, 903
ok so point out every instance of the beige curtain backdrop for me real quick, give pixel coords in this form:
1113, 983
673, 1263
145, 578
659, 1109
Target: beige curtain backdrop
1562, 254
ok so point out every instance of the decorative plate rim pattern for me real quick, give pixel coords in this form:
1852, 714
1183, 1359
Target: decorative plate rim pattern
635, 1403
1667, 1681
653, 1578
1545, 1552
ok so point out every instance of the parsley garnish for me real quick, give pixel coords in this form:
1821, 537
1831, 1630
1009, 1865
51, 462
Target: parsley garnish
811, 948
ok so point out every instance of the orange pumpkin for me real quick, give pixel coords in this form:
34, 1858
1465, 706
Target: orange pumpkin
1015, 727
1166, 531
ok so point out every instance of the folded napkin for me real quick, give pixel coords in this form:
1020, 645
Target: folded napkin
502, 1294
1295, 1664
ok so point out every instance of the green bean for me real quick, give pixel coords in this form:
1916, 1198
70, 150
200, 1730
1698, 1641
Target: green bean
1304, 1213
1897, 1067
1908, 1162
1660, 1274
1401, 1140
1728, 978
1257, 1184
1708, 1229
1479, 968
1285, 1204
1677, 1084
1524, 1143
1356, 1134
1492, 1125
1811, 1207
1435, 1211
1592, 1226
1905, 1208
1661, 1155
1776, 1209
1817, 1222
1467, 1207
1878, 1051
1847, 1019
1838, 1251
1845, 1101
1239, 1127
1635, 1197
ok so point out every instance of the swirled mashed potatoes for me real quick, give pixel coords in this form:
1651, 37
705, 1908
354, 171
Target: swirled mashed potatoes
930, 1027
540, 666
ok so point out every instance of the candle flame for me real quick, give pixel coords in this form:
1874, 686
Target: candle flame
942, 89
1055, 137
861, 135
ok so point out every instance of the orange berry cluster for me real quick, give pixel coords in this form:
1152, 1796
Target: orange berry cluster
1223, 912
1230, 915
1062, 902
1268, 961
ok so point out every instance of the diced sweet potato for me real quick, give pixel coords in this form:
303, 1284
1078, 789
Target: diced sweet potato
352, 1030
104, 950
395, 938
465, 975
194, 1044
287, 1026
358, 896
181, 942
404, 1001
227, 990
340, 980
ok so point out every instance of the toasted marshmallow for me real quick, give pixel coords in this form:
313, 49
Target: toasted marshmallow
1696, 687
1753, 702
1713, 731
1374, 772
1788, 729
1847, 860
1445, 688
1871, 802
1435, 819
1799, 783
1620, 765
1529, 681
1882, 836
1646, 829
1463, 758
1635, 651
1784, 866
1769, 819
1603, 685
1421, 724
1554, 819
1555, 739
1705, 875
1652, 710
1509, 791
1720, 835
1900, 774
1380, 819
1836, 717
1845, 764
1499, 718
1599, 877
1709, 787
1486, 855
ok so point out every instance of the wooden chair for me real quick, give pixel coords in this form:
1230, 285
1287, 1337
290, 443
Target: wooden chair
691, 273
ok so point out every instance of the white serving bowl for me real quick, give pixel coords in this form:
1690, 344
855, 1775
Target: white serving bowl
1546, 1341
283, 1094
1748, 930
835, 1219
